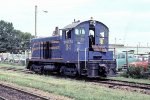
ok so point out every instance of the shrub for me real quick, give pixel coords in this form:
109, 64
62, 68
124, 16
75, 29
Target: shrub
148, 68
136, 72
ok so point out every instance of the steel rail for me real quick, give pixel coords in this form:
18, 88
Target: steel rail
2, 98
24, 91
123, 85
138, 86
129, 82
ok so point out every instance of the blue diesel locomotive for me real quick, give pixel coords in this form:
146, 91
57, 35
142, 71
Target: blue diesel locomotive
79, 49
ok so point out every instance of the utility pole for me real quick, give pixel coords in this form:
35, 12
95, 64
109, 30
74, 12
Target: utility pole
35, 21
139, 44
137, 49
127, 63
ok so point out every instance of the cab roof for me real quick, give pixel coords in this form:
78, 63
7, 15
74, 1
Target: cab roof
75, 24
72, 25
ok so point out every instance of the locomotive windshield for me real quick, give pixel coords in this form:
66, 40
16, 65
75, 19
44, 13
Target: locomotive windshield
103, 39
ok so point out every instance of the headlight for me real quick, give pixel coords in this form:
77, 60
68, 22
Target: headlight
93, 22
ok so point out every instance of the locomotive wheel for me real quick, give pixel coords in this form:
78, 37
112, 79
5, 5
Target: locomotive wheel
36, 69
62, 69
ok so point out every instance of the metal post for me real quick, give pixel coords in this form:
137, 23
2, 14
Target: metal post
148, 60
13, 57
127, 59
137, 49
25, 57
78, 60
85, 58
139, 44
115, 49
2, 57
127, 63
35, 21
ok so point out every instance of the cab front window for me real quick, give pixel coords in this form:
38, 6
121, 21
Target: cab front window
103, 37
101, 40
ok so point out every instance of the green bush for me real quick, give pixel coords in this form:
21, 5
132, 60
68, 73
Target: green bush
136, 72
148, 68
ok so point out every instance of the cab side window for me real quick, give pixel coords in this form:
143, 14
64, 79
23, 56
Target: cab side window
68, 34
80, 35
122, 56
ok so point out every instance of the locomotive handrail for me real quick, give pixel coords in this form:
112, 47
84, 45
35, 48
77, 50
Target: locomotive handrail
78, 58
85, 58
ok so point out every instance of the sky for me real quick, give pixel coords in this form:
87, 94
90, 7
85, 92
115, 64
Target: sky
128, 20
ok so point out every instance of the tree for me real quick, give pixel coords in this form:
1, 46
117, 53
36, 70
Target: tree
6, 35
21, 40
26, 38
12, 40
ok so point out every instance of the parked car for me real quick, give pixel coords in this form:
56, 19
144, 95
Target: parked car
121, 60
142, 57
142, 61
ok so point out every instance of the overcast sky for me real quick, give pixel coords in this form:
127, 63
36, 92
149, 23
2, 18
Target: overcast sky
128, 20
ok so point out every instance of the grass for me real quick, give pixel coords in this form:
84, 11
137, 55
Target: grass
2, 64
147, 81
79, 90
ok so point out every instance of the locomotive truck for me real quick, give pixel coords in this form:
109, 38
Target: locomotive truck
79, 49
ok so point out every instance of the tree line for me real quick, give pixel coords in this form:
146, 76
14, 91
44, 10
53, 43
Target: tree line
13, 40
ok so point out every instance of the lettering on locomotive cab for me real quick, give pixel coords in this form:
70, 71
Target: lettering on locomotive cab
68, 43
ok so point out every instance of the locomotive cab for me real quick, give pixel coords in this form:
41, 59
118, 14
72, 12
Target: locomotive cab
86, 44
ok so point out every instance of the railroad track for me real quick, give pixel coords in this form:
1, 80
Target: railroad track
143, 85
17, 70
13, 93
123, 85
2, 98
110, 83
126, 83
